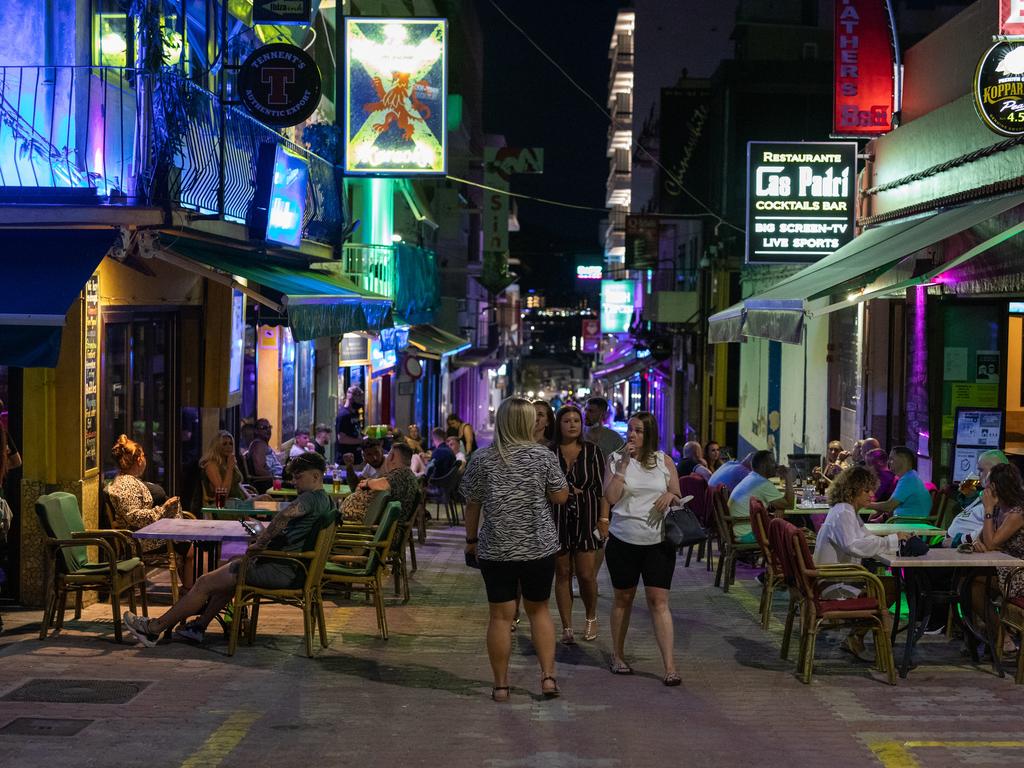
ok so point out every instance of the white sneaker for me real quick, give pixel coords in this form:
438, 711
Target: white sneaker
139, 626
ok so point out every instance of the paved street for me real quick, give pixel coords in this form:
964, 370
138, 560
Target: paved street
421, 698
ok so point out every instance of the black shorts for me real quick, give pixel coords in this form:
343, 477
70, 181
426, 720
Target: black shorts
628, 562
503, 579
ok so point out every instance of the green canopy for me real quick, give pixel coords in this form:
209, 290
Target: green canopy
432, 342
317, 303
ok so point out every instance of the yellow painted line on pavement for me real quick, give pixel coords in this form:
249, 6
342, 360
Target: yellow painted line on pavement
893, 754
896, 754
222, 741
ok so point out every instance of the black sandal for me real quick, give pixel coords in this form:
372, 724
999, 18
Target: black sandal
496, 690
555, 692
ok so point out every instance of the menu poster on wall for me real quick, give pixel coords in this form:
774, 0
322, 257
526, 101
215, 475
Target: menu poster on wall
90, 376
987, 367
980, 428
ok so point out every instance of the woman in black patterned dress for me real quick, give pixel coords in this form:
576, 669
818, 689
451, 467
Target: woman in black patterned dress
583, 464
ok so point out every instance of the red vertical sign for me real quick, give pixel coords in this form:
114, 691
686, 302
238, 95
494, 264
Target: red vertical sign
1011, 17
863, 86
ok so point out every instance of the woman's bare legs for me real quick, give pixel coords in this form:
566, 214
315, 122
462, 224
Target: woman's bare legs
563, 588
622, 607
661, 618
499, 642
542, 632
586, 575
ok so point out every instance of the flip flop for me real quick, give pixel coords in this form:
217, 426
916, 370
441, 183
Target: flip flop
555, 692
620, 668
501, 693
672, 679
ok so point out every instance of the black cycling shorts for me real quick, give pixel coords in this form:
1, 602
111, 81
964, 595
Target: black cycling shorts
503, 579
627, 563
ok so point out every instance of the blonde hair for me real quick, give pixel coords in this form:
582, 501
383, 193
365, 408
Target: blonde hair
213, 450
513, 425
127, 453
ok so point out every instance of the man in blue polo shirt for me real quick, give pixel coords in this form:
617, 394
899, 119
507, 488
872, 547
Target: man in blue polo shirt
910, 498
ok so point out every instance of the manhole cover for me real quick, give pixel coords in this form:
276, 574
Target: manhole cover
43, 726
77, 691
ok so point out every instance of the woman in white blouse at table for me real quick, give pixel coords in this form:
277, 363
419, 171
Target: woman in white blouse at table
843, 538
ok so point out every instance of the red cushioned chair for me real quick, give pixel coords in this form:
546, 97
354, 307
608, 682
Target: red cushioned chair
808, 580
730, 548
696, 486
773, 573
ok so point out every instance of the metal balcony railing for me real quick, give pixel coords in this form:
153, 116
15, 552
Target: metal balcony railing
371, 266
144, 139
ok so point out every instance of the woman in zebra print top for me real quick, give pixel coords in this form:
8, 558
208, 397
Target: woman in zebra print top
512, 485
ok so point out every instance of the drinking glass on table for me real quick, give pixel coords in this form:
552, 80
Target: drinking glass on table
220, 497
277, 483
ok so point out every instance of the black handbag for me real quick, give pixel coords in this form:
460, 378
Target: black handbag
682, 529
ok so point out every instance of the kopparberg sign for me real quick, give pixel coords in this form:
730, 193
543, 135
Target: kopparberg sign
800, 200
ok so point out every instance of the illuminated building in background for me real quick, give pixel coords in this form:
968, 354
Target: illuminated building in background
620, 138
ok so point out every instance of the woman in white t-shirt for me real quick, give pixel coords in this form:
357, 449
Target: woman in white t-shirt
641, 485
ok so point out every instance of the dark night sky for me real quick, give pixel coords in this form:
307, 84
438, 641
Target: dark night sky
533, 105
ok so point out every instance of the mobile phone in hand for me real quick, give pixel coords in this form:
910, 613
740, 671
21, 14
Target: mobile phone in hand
471, 560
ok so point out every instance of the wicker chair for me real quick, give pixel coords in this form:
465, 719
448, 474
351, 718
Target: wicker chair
729, 546
1011, 617
359, 561
808, 581
69, 569
307, 596
773, 574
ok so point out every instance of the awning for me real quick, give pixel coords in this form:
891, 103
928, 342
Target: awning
476, 358
433, 343
779, 312
624, 368
317, 303
43, 272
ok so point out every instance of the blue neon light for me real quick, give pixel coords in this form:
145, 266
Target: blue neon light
287, 205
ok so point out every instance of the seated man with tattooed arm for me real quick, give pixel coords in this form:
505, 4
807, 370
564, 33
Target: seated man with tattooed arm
293, 529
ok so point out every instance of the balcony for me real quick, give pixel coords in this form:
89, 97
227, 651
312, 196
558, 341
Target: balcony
406, 274
121, 138
617, 189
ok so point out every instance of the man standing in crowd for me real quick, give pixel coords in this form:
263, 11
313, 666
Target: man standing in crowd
348, 428
595, 414
911, 498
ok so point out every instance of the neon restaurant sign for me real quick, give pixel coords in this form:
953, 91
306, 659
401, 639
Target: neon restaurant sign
396, 96
800, 200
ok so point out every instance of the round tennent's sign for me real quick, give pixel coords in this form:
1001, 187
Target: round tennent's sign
999, 88
279, 84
